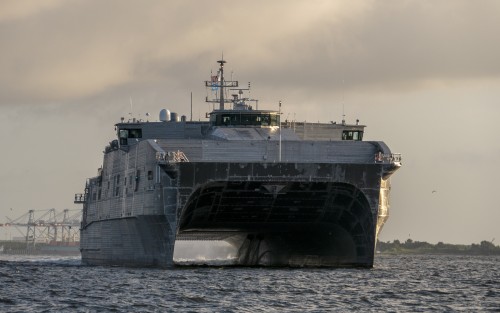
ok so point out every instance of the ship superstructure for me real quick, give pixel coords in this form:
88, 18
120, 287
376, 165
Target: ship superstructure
284, 193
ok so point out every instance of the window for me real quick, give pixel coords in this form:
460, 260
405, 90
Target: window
265, 120
245, 118
275, 120
124, 134
354, 135
135, 133
137, 178
150, 175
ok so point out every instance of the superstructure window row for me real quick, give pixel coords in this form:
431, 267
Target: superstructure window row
245, 119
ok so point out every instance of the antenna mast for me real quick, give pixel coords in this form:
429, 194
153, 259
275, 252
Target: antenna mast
279, 118
221, 85
343, 104
219, 82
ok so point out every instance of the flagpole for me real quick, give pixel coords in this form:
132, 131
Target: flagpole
279, 117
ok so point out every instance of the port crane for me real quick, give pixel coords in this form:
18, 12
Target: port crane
48, 226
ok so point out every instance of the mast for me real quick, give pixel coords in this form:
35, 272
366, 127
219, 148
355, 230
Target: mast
221, 98
218, 83
279, 118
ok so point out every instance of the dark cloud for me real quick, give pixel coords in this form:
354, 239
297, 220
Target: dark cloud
80, 48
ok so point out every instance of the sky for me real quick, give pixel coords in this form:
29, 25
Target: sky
424, 76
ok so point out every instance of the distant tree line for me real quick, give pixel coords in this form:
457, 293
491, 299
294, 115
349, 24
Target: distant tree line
422, 247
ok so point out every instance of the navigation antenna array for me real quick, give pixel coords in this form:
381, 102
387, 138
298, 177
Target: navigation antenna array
218, 83
238, 98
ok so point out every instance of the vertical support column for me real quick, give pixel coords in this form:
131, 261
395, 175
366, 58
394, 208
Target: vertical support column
30, 234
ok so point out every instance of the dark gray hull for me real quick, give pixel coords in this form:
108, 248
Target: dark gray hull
135, 241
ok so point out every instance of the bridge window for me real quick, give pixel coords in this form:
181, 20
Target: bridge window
275, 120
245, 119
135, 133
354, 135
124, 134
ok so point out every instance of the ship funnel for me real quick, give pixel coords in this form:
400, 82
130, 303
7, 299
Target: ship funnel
164, 115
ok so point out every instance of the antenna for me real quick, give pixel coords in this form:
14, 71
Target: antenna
191, 119
130, 113
343, 104
221, 85
279, 118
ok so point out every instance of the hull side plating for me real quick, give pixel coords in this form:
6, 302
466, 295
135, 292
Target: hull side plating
136, 241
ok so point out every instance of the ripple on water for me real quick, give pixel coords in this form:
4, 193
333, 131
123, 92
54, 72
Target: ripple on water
396, 283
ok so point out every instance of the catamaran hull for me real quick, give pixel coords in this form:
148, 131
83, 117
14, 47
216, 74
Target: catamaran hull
274, 214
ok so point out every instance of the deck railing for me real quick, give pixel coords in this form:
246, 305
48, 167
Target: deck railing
387, 157
171, 157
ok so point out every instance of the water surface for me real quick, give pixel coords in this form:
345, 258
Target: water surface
419, 283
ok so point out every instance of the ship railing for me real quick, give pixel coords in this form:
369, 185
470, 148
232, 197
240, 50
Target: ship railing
171, 157
387, 157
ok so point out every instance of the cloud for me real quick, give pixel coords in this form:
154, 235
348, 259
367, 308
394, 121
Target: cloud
55, 52
14, 9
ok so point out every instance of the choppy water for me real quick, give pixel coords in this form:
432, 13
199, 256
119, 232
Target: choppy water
396, 284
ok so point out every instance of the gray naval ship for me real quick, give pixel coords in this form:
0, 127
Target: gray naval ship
283, 193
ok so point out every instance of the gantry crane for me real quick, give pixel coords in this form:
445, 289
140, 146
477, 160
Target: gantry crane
50, 227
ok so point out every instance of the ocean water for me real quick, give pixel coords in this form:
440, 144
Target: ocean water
421, 283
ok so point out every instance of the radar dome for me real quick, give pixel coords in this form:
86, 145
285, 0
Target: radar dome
164, 115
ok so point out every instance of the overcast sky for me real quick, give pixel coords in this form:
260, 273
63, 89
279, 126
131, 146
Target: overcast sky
424, 76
